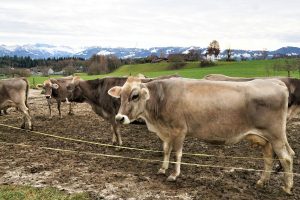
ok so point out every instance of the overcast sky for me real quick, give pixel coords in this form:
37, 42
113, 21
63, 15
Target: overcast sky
245, 24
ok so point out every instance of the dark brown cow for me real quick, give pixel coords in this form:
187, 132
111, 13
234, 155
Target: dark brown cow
14, 93
214, 111
57, 89
95, 93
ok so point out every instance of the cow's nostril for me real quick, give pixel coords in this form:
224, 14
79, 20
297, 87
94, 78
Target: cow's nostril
47, 97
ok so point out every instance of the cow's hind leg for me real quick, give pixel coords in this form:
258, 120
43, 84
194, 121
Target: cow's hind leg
268, 158
286, 161
167, 146
267, 155
27, 117
177, 145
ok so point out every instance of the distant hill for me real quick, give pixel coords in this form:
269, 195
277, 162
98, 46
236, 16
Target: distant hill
36, 51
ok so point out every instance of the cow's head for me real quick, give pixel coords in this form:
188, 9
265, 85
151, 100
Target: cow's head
75, 93
134, 95
48, 86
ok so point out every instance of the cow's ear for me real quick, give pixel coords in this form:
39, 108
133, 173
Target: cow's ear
145, 93
115, 91
55, 86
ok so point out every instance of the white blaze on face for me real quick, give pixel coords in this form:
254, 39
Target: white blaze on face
123, 119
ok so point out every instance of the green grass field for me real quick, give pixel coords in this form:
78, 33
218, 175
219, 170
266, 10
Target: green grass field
12, 192
255, 68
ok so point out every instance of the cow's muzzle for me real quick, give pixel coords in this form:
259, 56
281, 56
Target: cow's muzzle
123, 119
48, 96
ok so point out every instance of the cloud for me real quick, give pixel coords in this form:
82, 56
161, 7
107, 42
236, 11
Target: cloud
142, 23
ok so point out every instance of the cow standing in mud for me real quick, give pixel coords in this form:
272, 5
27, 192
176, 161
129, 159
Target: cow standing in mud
57, 89
222, 112
95, 93
14, 93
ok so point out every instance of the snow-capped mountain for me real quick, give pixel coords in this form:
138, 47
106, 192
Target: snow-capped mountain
36, 51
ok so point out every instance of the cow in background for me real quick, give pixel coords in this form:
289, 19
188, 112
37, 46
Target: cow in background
214, 111
14, 93
57, 89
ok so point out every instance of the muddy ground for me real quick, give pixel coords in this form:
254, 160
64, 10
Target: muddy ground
117, 178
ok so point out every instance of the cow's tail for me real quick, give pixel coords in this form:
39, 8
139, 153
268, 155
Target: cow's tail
27, 91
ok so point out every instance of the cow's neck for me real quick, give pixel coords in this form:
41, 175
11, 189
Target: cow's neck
155, 105
86, 89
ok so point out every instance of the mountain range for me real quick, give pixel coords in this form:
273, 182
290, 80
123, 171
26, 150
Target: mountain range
37, 51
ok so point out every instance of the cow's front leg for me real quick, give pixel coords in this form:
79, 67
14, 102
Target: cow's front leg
49, 106
58, 108
116, 134
70, 109
178, 145
167, 146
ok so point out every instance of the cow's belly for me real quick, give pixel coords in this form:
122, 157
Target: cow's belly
227, 126
220, 135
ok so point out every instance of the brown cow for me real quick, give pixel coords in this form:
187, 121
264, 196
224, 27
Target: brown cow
95, 91
223, 112
14, 93
57, 88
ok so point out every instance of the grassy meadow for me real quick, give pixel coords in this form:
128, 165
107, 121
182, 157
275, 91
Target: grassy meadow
13, 192
255, 68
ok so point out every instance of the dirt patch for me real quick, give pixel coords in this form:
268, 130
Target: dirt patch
116, 178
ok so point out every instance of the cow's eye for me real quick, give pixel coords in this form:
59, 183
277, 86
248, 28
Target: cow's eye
135, 97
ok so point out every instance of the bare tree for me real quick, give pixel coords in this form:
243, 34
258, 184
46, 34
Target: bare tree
213, 48
228, 54
264, 54
69, 70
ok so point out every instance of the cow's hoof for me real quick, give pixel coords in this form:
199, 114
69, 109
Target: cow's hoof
118, 149
287, 190
161, 171
23, 126
278, 168
260, 184
171, 178
70, 113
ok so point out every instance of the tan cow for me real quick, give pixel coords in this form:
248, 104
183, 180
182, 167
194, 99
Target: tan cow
292, 84
14, 93
223, 112
57, 89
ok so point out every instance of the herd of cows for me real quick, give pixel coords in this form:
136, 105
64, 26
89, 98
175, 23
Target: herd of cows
217, 109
